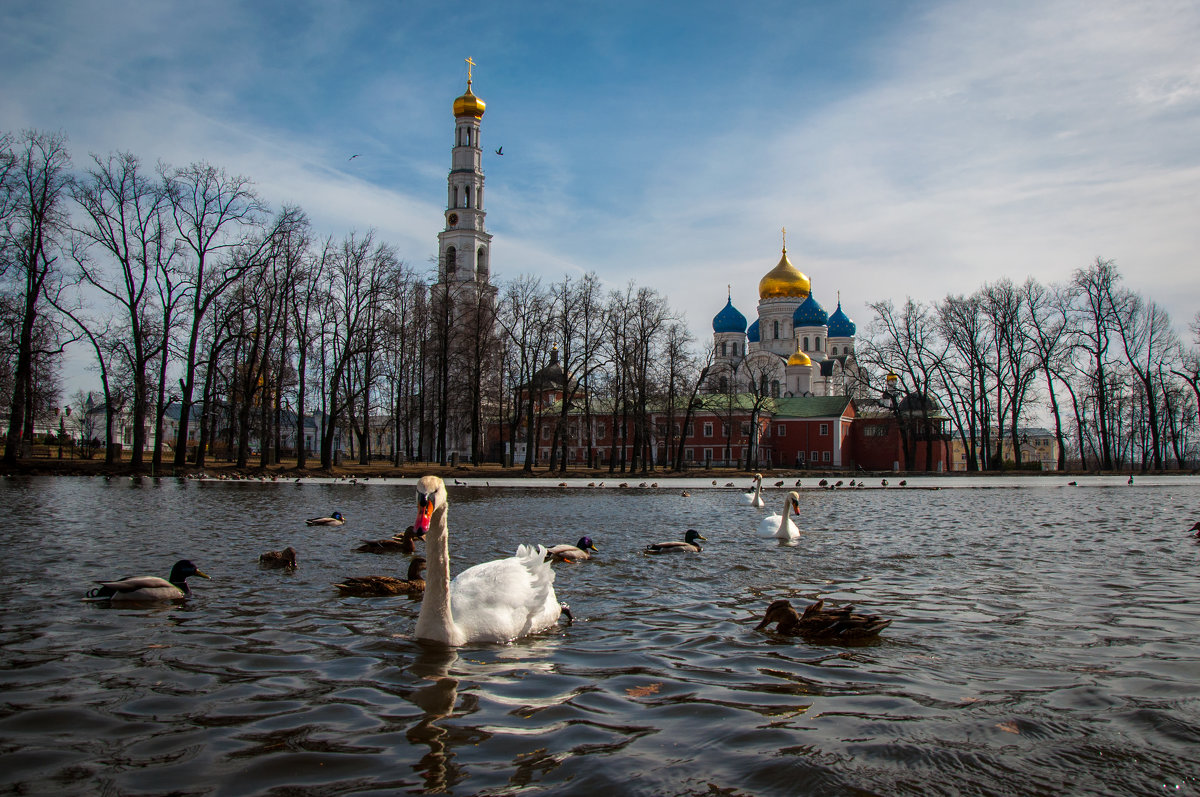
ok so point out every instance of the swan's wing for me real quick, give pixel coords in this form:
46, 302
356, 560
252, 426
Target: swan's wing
768, 526
505, 599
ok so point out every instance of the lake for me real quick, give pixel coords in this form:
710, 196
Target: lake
1046, 640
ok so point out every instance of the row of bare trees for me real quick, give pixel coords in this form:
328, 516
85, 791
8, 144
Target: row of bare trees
1099, 361
199, 303
622, 356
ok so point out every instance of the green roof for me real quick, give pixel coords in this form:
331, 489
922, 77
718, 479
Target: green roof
811, 406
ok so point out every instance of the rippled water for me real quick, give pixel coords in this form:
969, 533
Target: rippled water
1046, 641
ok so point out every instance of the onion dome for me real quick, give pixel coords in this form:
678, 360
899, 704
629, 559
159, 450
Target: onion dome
784, 281
752, 333
809, 314
729, 319
840, 325
799, 358
469, 105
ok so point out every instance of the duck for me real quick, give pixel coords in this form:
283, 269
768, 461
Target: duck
405, 542
572, 553
686, 545
285, 558
148, 588
336, 519
383, 586
755, 498
1196, 528
496, 601
781, 527
819, 623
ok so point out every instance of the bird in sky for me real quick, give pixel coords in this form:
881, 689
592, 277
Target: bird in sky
500, 151
352, 157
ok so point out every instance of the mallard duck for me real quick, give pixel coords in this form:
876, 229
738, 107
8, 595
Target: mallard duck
754, 494
404, 542
686, 545
572, 553
148, 588
285, 558
381, 586
496, 601
781, 526
817, 622
336, 519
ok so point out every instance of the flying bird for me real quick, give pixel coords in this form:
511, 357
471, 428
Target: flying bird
352, 157
500, 151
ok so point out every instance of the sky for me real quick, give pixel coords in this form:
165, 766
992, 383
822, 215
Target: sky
911, 149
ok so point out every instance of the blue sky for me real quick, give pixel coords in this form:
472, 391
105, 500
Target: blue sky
911, 149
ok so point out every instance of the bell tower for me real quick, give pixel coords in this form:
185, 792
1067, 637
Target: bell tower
464, 247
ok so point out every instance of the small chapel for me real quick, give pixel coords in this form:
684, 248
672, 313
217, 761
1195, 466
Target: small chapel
793, 349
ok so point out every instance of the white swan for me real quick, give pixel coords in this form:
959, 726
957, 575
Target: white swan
781, 526
756, 498
495, 601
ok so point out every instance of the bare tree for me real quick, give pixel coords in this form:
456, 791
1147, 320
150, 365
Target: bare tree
35, 195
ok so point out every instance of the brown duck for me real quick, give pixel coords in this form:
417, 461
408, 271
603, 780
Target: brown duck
817, 622
285, 558
405, 542
382, 586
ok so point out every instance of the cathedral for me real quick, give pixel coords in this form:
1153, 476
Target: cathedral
794, 348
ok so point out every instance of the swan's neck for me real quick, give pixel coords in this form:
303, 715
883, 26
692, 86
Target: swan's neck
787, 504
758, 489
436, 621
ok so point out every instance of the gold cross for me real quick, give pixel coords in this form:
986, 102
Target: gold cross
470, 64
784, 230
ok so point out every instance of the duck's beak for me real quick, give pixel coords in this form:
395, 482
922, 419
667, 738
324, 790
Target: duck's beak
202, 574
424, 513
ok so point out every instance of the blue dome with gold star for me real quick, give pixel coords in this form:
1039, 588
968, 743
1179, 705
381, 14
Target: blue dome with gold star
840, 325
809, 314
729, 319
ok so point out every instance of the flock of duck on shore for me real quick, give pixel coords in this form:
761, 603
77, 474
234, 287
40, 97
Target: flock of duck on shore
505, 599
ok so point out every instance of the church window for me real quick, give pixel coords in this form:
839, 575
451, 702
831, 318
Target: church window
834, 352
776, 330
481, 264
451, 261
467, 191
724, 384
775, 388
762, 385
722, 348
735, 350
817, 344
805, 343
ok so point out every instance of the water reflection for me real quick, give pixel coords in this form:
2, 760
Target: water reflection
432, 663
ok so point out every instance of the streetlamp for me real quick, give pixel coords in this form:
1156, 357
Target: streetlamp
62, 431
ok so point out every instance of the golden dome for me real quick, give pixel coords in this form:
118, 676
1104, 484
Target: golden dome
469, 105
785, 280
799, 358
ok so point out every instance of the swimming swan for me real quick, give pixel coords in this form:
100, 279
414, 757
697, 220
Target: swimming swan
148, 588
781, 527
496, 601
756, 498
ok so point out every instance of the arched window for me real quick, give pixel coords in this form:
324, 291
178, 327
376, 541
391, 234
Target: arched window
468, 195
481, 264
776, 330
775, 388
722, 348
451, 261
762, 385
735, 350
805, 343
834, 352
817, 344
724, 384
